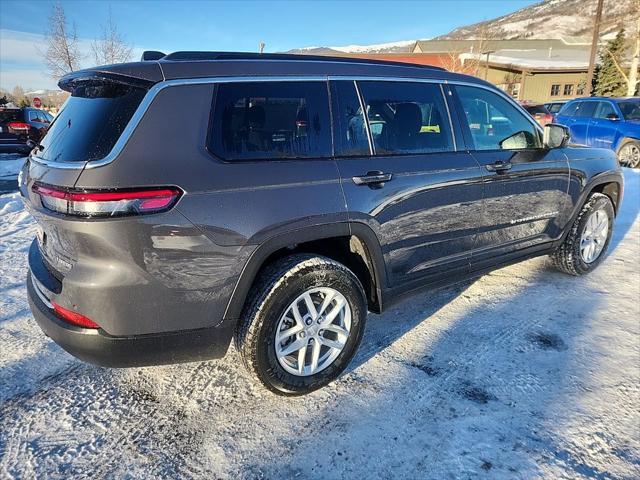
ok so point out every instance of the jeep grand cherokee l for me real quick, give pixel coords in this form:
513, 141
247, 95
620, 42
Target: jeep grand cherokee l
273, 200
19, 125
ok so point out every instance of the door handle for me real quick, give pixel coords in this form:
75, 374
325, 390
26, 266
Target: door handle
375, 177
499, 166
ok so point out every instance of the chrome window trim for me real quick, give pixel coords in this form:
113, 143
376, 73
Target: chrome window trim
153, 92
365, 116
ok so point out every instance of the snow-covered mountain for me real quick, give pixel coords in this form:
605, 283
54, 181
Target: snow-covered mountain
392, 47
554, 19
545, 20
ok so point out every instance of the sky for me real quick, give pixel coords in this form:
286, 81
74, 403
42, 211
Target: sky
232, 26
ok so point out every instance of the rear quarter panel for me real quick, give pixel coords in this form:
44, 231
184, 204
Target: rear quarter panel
227, 208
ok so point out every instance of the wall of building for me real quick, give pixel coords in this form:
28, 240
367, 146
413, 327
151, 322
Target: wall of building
538, 87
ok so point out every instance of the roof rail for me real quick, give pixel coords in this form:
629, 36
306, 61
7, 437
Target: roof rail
148, 55
187, 56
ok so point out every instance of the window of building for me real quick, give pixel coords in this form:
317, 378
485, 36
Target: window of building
555, 90
568, 89
407, 117
580, 89
271, 120
349, 123
495, 123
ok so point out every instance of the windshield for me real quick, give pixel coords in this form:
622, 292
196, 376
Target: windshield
630, 109
91, 122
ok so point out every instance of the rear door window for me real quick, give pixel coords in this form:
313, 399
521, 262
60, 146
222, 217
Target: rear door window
271, 120
495, 123
586, 109
570, 109
603, 110
407, 118
349, 121
91, 122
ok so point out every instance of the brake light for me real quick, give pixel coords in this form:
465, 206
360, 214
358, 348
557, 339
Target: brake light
73, 318
107, 203
19, 126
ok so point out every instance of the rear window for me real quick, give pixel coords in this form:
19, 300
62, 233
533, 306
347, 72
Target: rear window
536, 109
271, 120
91, 122
7, 116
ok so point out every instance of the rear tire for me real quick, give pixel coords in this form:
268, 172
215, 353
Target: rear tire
320, 346
586, 244
629, 154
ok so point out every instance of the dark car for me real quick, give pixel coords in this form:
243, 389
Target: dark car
612, 123
539, 112
18, 125
274, 200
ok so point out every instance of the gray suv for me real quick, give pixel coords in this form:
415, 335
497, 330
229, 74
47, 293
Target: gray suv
196, 198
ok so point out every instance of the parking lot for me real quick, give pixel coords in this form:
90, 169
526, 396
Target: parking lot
524, 372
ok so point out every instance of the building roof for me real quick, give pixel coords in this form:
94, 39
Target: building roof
534, 59
445, 46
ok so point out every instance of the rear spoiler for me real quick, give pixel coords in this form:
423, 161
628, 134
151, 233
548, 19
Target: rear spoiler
80, 78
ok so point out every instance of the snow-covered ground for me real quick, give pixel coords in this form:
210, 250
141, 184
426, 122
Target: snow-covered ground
10, 165
523, 373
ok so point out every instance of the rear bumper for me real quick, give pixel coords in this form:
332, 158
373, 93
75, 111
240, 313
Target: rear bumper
98, 347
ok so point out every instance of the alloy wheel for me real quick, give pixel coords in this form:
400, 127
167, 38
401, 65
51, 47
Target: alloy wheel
594, 236
629, 155
313, 331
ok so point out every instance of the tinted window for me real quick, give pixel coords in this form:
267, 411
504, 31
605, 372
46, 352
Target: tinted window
91, 122
407, 117
495, 123
586, 109
262, 120
630, 109
351, 131
603, 109
570, 109
11, 116
554, 107
533, 109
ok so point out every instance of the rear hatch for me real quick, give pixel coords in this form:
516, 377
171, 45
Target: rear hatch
13, 127
86, 130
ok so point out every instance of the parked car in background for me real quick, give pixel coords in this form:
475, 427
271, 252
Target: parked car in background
603, 122
539, 112
554, 107
306, 192
19, 125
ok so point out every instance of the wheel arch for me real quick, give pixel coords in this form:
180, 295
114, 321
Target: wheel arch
353, 244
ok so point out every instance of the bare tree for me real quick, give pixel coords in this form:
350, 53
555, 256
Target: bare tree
110, 47
471, 60
62, 55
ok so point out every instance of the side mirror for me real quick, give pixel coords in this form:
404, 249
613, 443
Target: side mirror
613, 116
555, 136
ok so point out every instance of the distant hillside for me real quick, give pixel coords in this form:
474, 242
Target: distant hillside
550, 19
553, 19
393, 47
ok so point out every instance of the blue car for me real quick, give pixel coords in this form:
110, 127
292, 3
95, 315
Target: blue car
612, 123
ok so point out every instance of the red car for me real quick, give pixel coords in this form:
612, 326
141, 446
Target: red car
539, 112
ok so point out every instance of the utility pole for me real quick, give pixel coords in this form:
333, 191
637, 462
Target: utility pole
594, 48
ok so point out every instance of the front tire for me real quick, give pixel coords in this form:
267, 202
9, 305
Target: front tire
629, 154
302, 323
586, 244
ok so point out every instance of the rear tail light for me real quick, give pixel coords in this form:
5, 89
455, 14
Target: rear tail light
107, 203
73, 318
19, 126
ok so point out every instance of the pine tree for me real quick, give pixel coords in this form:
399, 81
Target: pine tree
609, 81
